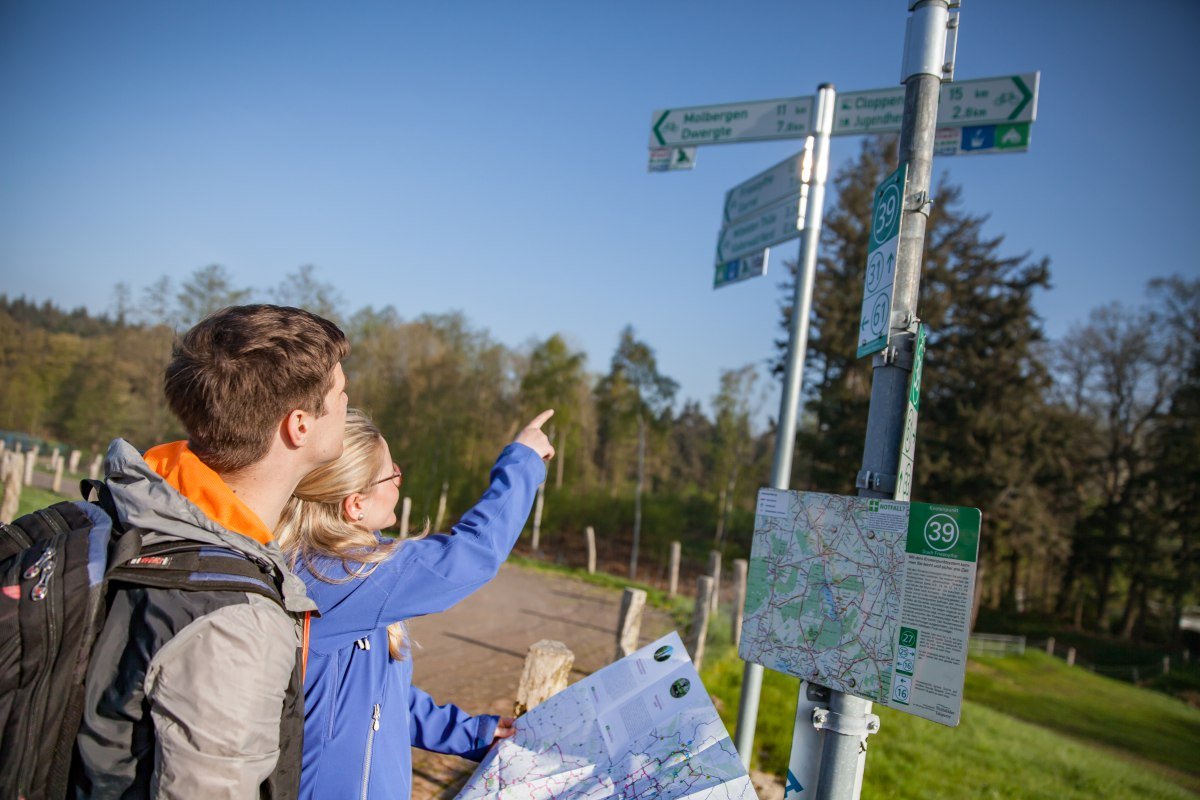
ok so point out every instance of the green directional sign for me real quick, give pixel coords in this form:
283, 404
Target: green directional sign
761, 230
752, 121
981, 101
875, 323
908, 435
767, 187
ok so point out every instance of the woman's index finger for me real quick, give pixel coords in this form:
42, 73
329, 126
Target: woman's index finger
541, 419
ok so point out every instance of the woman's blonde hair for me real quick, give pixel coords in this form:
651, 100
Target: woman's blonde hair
313, 523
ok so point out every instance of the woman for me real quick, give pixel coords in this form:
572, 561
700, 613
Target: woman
362, 712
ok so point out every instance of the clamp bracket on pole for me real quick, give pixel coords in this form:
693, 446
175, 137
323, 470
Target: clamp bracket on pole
875, 481
951, 44
825, 720
893, 356
920, 203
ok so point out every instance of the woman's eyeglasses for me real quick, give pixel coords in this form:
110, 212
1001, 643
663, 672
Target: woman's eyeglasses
396, 476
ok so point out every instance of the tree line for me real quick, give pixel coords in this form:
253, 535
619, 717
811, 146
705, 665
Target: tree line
1083, 453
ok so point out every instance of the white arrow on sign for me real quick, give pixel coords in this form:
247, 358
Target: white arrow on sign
756, 120
769, 186
982, 101
759, 231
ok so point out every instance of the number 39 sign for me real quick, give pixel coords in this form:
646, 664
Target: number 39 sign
944, 531
875, 324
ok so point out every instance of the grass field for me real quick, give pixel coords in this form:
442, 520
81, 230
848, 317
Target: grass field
33, 498
1031, 728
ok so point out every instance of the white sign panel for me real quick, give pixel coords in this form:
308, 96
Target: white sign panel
741, 269
667, 159
756, 120
981, 139
769, 186
759, 231
984, 101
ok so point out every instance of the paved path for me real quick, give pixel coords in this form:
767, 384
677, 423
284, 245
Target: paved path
472, 654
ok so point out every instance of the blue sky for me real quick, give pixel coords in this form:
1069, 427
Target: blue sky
491, 157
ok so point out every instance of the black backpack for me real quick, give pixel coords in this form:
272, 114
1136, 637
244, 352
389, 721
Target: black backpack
56, 566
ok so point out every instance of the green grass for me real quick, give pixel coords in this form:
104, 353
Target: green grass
1033, 728
993, 755
1043, 690
33, 498
679, 607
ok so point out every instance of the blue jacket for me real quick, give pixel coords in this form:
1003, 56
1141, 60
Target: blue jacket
362, 712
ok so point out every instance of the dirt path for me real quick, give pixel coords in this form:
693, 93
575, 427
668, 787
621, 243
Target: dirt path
472, 655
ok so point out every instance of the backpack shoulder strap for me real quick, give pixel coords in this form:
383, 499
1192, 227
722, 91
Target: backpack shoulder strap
194, 567
104, 499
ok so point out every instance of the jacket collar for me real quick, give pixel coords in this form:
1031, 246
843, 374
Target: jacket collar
148, 501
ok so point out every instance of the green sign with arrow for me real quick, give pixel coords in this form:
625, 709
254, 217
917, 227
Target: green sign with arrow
983, 101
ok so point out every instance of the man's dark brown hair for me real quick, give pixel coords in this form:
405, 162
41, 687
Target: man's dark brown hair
235, 375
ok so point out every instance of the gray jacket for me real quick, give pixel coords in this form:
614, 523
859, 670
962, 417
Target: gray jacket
189, 693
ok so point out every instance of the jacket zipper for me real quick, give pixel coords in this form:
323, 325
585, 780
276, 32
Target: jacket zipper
366, 777
43, 571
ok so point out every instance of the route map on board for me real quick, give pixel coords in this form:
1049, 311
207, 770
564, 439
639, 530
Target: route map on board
867, 597
642, 727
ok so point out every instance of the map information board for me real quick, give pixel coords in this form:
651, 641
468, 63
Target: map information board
642, 727
868, 597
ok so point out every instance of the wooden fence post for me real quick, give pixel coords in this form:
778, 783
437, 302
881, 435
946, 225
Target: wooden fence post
30, 460
73, 463
700, 614
547, 666
537, 516
56, 484
591, 550
97, 464
1070, 656
12, 477
673, 579
405, 513
714, 571
1050, 646
441, 511
629, 623
740, 567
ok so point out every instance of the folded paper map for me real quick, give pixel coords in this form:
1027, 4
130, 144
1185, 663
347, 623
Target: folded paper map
642, 727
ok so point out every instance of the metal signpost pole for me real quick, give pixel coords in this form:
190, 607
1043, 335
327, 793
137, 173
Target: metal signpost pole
785, 436
845, 729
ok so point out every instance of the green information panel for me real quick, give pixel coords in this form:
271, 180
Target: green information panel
868, 597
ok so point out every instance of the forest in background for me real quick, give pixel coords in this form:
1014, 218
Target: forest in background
1083, 452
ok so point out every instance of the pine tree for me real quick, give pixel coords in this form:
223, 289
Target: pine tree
980, 426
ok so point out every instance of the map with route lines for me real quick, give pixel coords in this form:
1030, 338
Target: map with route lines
823, 594
642, 727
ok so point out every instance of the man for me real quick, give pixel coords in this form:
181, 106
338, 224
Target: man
194, 693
